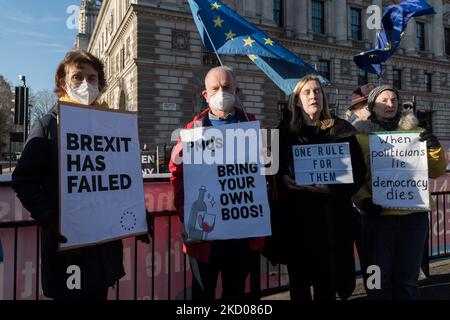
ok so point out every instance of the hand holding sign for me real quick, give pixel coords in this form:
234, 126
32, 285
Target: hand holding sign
432, 141
370, 208
322, 164
399, 170
316, 188
102, 195
225, 196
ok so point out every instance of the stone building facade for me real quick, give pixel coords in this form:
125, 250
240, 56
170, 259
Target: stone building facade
155, 61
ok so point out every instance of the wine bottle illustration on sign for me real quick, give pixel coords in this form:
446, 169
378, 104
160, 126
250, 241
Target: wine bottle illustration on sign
198, 207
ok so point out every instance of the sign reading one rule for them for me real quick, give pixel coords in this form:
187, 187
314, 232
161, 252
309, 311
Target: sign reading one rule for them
322, 164
101, 187
399, 164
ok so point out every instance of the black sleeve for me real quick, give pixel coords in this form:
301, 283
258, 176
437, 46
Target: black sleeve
284, 152
359, 171
30, 173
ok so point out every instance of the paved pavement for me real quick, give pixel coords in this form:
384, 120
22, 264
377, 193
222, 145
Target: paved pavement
436, 287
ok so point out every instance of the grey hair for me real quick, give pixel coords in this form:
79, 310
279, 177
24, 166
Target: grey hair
224, 68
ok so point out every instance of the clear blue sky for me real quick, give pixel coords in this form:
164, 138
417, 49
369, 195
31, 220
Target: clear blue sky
34, 37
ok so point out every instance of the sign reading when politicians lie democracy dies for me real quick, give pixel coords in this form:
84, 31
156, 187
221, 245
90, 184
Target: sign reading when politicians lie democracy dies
399, 170
322, 164
225, 194
101, 187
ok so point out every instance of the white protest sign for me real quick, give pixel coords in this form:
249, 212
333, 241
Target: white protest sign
399, 171
225, 194
329, 163
101, 188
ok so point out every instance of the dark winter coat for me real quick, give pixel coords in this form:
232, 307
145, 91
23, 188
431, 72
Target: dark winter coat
308, 225
35, 181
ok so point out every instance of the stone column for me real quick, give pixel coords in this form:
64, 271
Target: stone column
340, 20
373, 33
409, 38
250, 8
290, 17
438, 31
309, 18
301, 19
267, 12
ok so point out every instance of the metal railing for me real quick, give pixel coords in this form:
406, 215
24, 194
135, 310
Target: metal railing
261, 276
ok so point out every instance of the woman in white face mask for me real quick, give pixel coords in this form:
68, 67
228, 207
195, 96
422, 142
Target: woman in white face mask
80, 79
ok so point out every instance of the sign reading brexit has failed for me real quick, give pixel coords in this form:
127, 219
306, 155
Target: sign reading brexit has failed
399, 170
225, 198
322, 164
101, 187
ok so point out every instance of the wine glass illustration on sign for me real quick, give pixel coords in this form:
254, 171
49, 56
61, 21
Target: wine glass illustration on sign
200, 221
206, 222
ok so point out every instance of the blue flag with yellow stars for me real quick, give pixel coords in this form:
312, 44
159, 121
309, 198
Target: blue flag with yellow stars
394, 22
231, 34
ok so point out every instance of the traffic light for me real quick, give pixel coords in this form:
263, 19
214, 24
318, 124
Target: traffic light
19, 105
21, 101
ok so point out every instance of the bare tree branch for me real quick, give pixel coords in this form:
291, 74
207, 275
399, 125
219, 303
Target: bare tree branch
41, 102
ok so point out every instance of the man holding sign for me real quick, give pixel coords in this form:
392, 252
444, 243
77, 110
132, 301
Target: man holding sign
395, 197
238, 191
85, 272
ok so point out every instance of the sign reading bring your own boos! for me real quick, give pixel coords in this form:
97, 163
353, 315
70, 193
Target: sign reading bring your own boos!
101, 187
399, 171
322, 164
225, 194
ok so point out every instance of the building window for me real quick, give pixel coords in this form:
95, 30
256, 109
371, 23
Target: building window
278, 12
128, 47
397, 76
420, 36
356, 24
210, 59
428, 82
122, 58
318, 17
447, 41
363, 77
323, 67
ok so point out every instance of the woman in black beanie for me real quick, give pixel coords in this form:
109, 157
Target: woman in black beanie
394, 239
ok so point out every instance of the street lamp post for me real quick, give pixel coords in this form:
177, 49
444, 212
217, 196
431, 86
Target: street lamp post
25, 113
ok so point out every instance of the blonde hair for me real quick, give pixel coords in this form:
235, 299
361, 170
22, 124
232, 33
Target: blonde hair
297, 122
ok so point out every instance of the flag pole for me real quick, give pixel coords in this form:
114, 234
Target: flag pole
210, 40
220, 61
380, 78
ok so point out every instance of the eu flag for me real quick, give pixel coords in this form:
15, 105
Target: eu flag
394, 23
224, 31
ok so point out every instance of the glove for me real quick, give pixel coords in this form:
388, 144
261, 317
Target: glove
432, 141
145, 238
53, 230
371, 208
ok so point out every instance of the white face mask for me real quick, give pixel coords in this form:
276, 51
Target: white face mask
85, 93
222, 101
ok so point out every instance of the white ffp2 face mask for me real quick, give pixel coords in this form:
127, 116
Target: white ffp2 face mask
222, 101
85, 93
